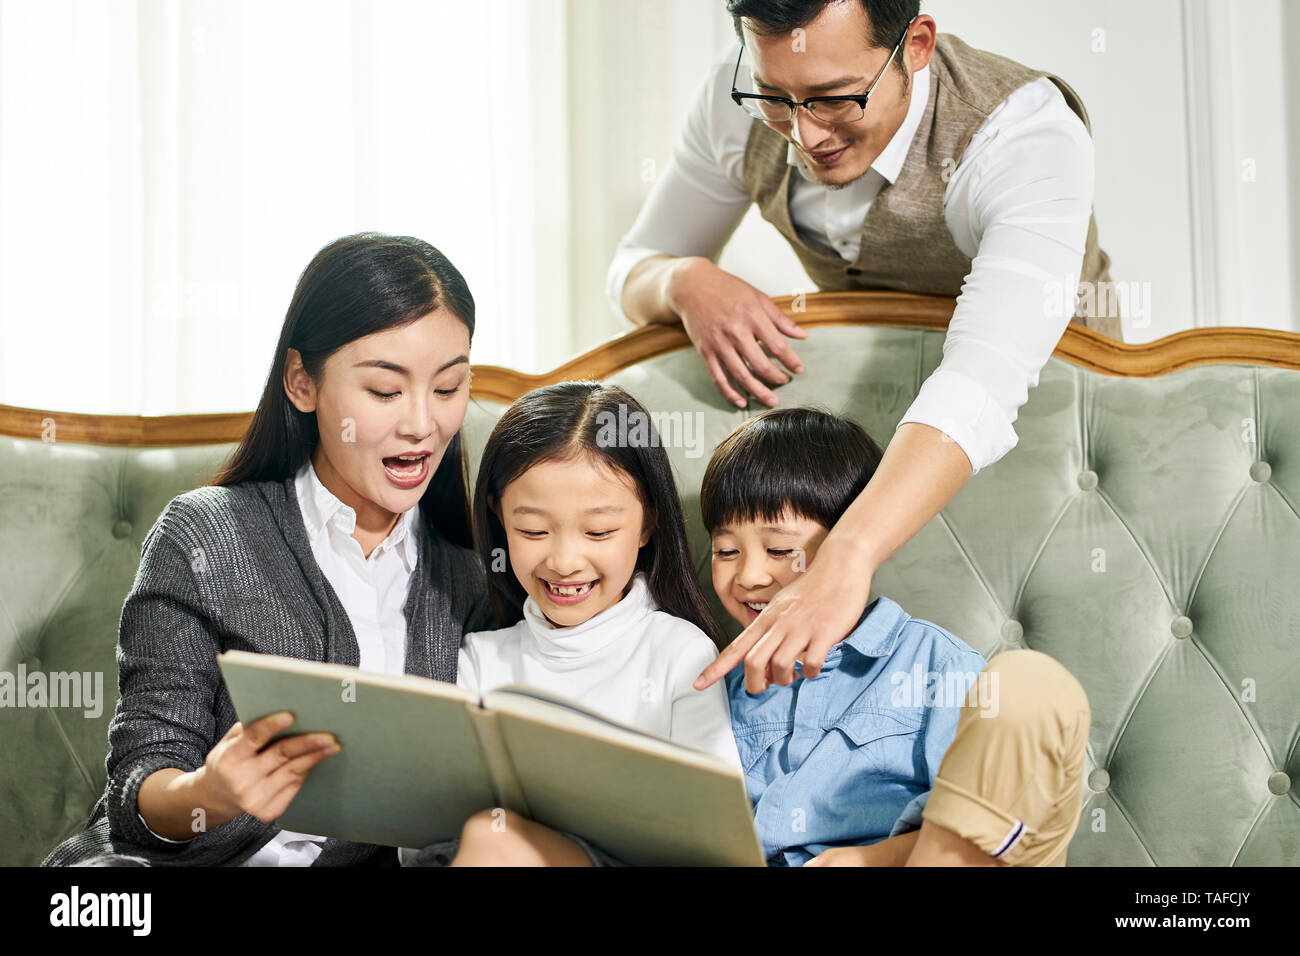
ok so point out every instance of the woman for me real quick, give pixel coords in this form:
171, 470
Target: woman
338, 532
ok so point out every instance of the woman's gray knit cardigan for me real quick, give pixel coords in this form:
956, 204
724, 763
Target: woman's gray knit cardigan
231, 568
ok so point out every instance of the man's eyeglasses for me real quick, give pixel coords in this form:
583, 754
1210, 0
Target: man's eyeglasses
825, 109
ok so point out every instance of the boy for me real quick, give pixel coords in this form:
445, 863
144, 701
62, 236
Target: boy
905, 727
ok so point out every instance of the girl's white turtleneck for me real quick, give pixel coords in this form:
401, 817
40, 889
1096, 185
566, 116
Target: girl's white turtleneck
632, 663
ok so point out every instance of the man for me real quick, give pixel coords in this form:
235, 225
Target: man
889, 157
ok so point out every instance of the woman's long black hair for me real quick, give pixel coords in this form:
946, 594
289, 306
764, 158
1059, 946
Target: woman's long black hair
556, 423
354, 287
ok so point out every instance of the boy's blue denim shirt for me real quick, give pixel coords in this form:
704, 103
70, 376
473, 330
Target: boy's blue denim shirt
847, 758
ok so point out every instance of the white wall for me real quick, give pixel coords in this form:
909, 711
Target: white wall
1188, 100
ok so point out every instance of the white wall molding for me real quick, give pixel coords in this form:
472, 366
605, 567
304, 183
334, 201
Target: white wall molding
1240, 156
1210, 247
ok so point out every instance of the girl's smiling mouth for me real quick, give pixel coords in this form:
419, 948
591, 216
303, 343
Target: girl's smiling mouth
568, 593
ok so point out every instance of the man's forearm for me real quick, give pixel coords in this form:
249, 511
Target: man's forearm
920, 473
647, 296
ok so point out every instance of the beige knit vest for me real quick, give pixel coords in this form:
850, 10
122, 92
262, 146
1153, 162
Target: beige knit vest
905, 243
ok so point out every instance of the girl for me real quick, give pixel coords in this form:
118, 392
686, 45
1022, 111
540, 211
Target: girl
601, 593
339, 532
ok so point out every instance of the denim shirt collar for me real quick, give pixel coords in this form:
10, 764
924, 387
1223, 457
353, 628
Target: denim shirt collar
878, 630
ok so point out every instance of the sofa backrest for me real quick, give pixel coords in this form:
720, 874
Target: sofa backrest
1145, 532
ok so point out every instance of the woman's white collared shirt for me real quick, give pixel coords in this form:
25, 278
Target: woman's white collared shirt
372, 590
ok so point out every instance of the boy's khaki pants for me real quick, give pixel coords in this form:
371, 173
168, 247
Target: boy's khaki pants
1010, 782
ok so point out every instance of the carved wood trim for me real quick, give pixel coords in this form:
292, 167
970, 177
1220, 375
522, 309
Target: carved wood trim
1083, 347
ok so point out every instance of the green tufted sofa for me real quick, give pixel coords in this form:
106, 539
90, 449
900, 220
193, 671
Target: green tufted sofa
1145, 532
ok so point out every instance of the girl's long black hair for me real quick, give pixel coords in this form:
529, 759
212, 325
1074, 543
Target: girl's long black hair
353, 287
556, 423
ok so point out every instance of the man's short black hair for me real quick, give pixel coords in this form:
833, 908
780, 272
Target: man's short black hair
888, 18
806, 460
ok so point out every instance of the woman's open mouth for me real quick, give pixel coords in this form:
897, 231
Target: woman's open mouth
755, 608
407, 471
570, 593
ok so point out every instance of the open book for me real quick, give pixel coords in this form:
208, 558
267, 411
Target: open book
419, 757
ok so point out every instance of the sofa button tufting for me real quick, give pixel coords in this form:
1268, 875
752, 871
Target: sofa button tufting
1181, 626
1279, 783
122, 529
1098, 781
1087, 480
1012, 632
1261, 471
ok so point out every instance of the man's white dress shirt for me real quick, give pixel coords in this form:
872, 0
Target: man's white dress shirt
1018, 205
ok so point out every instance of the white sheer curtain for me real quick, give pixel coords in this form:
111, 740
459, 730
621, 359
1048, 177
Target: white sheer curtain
168, 167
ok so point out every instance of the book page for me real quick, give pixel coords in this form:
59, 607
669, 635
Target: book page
562, 713
643, 799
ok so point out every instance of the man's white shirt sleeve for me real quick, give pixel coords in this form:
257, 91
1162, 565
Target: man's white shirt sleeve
1019, 204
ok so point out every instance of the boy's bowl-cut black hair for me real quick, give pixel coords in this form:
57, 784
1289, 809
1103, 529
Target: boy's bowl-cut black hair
808, 460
